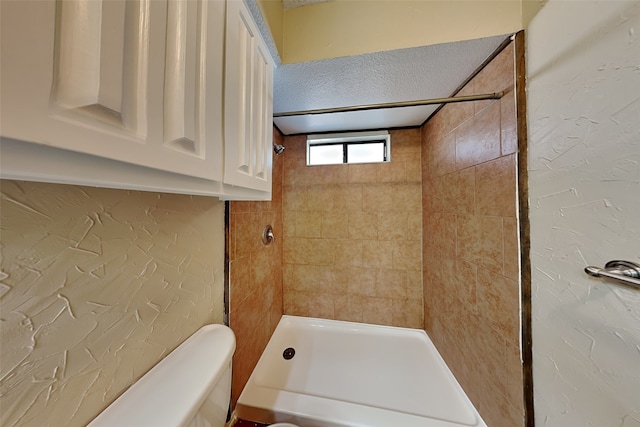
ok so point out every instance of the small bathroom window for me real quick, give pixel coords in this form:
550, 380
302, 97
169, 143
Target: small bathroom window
347, 148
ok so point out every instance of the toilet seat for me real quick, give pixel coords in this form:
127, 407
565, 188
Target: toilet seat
282, 425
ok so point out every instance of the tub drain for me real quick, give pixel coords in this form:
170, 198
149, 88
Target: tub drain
289, 353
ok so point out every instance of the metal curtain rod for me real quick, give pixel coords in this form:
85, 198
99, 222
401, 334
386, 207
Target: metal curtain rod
495, 95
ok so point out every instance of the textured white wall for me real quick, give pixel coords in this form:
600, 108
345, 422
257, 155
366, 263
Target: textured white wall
97, 286
584, 175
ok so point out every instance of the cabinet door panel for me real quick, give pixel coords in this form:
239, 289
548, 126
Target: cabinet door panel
193, 78
93, 80
181, 76
248, 100
100, 77
262, 114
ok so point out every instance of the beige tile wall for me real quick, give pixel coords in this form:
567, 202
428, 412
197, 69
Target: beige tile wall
352, 236
255, 276
352, 245
98, 285
471, 273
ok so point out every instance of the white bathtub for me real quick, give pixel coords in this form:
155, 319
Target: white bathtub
353, 374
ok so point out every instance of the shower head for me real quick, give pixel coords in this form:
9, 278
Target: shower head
278, 149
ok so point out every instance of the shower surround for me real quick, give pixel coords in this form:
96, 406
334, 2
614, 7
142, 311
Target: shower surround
366, 242
471, 251
352, 242
255, 275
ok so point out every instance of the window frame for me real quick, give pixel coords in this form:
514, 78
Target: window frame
346, 139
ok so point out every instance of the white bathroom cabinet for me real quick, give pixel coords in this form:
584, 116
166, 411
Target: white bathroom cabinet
248, 103
132, 94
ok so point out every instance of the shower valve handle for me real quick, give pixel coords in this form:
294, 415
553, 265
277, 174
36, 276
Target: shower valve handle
267, 235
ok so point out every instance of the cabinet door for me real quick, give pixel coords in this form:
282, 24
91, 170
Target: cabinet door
137, 81
248, 102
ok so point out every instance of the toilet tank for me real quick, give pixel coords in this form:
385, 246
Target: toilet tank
190, 387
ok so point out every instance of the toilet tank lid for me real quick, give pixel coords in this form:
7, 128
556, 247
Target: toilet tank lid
171, 393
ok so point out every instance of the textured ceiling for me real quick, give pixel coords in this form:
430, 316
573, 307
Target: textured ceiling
383, 77
375, 78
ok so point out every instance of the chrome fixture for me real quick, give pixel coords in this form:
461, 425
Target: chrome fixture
267, 234
626, 272
278, 149
434, 101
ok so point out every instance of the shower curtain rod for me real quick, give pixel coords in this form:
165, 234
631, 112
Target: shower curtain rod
495, 95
